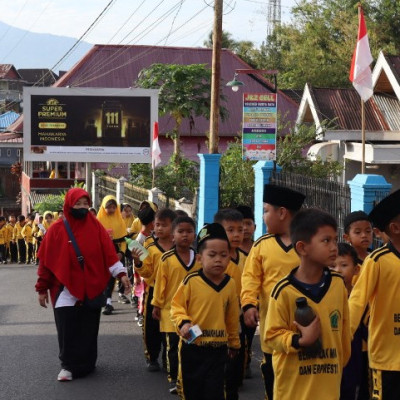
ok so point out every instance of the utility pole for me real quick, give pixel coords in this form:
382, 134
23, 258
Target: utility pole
274, 15
215, 77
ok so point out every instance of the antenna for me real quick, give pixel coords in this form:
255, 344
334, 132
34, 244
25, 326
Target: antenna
274, 15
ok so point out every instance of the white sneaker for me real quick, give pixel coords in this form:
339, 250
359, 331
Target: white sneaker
64, 375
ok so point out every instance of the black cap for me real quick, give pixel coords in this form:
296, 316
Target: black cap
283, 197
383, 213
211, 231
246, 211
354, 217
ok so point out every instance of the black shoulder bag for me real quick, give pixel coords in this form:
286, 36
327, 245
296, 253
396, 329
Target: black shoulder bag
100, 300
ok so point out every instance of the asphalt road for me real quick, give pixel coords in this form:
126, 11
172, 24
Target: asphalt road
29, 352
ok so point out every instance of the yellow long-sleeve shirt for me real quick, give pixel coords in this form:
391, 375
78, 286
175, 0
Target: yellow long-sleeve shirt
27, 232
148, 269
214, 308
269, 261
170, 273
298, 374
17, 231
3, 235
379, 286
10, 232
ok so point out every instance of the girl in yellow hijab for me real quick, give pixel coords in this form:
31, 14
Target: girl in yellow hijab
110, 217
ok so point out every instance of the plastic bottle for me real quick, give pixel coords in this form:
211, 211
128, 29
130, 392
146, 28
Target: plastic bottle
134, 244
304, 315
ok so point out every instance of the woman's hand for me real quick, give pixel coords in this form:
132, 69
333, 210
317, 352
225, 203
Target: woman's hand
43, 299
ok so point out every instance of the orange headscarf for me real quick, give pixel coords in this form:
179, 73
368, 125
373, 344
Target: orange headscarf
57, 254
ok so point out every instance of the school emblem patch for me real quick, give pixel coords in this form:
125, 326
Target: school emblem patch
334, 317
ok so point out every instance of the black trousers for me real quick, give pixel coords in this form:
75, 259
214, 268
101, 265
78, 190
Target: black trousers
201, 371
172, 340
152, 336
386, 385
77, 330
30, 249
3, 256
21, 245
13, 252
235, 367
268, 375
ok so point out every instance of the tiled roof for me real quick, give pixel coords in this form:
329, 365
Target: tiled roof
7, 71
342, 107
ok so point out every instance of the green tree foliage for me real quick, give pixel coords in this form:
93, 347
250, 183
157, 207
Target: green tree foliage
176, 180
51, 203
245, 49
184, 92
236, 177
291, 157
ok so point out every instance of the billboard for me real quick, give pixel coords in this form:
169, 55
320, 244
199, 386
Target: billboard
89, 124
259, 126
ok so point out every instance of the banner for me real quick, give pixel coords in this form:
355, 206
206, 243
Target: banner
259, 126
89, 124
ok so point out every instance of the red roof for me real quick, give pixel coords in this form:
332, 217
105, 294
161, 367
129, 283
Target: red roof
8, 71
118, 66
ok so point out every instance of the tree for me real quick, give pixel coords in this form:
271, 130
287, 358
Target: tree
290, 155
184, 92
237, 177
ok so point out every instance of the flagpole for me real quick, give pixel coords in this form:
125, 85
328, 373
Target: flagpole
363, 136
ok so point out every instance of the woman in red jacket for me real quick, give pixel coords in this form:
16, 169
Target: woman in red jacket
71, 283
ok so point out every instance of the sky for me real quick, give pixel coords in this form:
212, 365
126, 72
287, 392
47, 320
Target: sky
151, 22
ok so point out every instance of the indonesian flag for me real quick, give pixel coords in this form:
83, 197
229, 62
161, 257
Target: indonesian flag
155, 151
360, 72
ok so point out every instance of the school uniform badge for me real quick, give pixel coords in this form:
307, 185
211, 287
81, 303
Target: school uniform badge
335, 317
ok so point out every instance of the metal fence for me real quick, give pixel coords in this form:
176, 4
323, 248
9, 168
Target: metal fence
327, 195
134, 195
106, 187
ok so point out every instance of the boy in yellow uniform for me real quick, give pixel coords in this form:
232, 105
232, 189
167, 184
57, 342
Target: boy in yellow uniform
19, 240
11, 244
148, 270
207, 298
249, 227
3, 240
232, 221
172, 269
301, 371
379, 286
27, 234
270, 259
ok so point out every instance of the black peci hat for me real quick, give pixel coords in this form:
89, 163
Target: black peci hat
283, 197
146, 215
387, 209
354, 217
211, 231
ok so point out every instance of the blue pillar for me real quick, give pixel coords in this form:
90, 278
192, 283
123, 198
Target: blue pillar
366, 190
262, 174
209, 188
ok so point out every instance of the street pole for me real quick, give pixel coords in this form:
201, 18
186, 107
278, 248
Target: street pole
215, 77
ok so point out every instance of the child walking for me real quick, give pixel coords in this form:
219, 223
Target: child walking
303, 371
172, 269
207, 298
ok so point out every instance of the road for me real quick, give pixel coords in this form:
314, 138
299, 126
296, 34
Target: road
29, 352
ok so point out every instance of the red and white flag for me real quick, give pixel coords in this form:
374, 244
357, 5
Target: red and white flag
360, 72
155, 150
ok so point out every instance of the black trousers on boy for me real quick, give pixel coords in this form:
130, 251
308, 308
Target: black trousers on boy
77, 330
13, 252
172, 340
268, 375
152, 336
386, 385
21, 245
200, 371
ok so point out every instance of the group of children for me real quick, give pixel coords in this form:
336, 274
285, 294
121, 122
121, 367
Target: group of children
20, 237
206, 295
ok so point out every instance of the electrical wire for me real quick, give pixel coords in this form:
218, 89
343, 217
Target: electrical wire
173, 22
138, 56
16, 17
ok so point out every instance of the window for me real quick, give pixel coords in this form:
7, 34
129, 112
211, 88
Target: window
8, 152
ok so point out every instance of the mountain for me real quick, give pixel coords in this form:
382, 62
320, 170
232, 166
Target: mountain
26, 49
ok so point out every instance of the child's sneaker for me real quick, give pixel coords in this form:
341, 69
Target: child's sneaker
172, 387
153, 366
64, 376
140, 320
